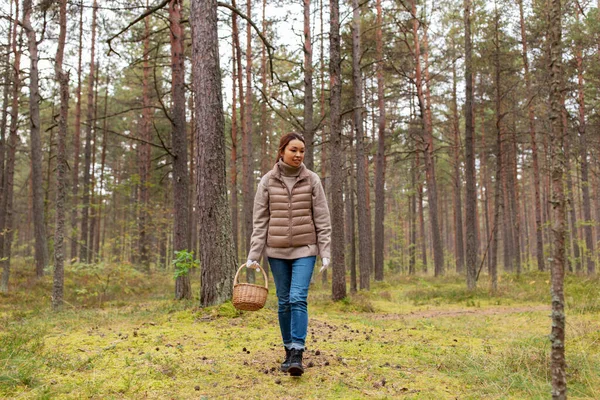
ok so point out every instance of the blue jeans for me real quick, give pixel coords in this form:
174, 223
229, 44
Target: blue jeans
292, 278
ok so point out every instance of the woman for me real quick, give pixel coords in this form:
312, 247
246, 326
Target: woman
291, 224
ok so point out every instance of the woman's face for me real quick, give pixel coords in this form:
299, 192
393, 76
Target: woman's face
293, 154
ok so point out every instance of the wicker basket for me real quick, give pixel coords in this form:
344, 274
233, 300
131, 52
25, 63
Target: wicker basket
247, 296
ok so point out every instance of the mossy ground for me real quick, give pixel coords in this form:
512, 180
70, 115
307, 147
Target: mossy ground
409, 337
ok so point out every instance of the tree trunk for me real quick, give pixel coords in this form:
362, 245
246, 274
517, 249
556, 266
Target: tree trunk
471, 180
265, 164
413, 218
61, 163
101, 225
380, 170
6, 208
438, 253
216, 245
237, 51
577, 259
76, 145
557, 336
41, 245
247, 153
351, 211
588, 223
181, 190
364, 240
338, 280
534, 153
84, 255
459, 243
308, 90
145, 156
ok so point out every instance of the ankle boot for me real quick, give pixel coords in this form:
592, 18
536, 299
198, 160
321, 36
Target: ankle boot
285, 365
296, 368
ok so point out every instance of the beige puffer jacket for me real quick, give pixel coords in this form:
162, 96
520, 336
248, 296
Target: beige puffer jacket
291, 223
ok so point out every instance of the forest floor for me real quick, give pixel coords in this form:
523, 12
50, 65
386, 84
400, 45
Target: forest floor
408, 337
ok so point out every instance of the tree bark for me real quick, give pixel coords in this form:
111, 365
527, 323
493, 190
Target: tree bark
438, 253
247, 153
364, 239
459, 244
308, 90
471, 180
76, 146
181, 190
61, 162
534, 153
41, 244
413, 218
216, 245
6, 208
7, 77
380, 169
588, 223
145, 156
338, 284
84, 255
557, 335
574, 233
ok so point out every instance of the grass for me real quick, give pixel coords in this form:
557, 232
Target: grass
409, 337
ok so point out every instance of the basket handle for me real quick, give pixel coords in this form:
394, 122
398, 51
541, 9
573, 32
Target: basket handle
235, 279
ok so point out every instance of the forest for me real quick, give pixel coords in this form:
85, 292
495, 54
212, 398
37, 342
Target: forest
457, 143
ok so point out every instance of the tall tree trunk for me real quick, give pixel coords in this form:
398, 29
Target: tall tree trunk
7, 77
459, 243
338, 280
588, 223
101, 228
364, 239
240, 79
216, 245
471, 180
574, 233
413, 218
265, 164
557, 336
41, 244
76, 145
438, 253
6, 208
84, 244
534, 153
234, 140
61, 162
380, 170
181, 216
145, 156
247, 153
92, 251
308, 90
324, 178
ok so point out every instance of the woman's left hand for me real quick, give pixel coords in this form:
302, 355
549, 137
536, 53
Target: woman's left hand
325, 264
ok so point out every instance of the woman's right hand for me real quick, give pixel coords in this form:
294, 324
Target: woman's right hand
253, 264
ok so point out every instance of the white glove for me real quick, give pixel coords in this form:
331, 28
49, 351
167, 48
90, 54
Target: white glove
325, 264
253, 264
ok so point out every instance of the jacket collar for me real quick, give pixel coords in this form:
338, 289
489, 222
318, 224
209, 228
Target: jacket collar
304, 172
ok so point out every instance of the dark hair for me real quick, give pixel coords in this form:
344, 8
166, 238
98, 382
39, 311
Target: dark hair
285, 140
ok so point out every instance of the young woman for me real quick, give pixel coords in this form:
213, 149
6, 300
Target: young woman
292, 225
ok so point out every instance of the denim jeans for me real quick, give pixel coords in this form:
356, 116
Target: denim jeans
292, 278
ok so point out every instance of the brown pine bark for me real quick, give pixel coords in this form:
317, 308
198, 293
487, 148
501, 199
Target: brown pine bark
324, 179
7, 76
6, 208
264, 115
308, 90
365, 249
41, 244
181, 190
84, 254
234, 139
145, 156
61, 162
574, 232
76, 145
216, 245
338, 283
101, 225
240, 78
380, 167
438, 253
459, 244
471, 179
413, 218
557, 335
247, 152
588, 253
534, 153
